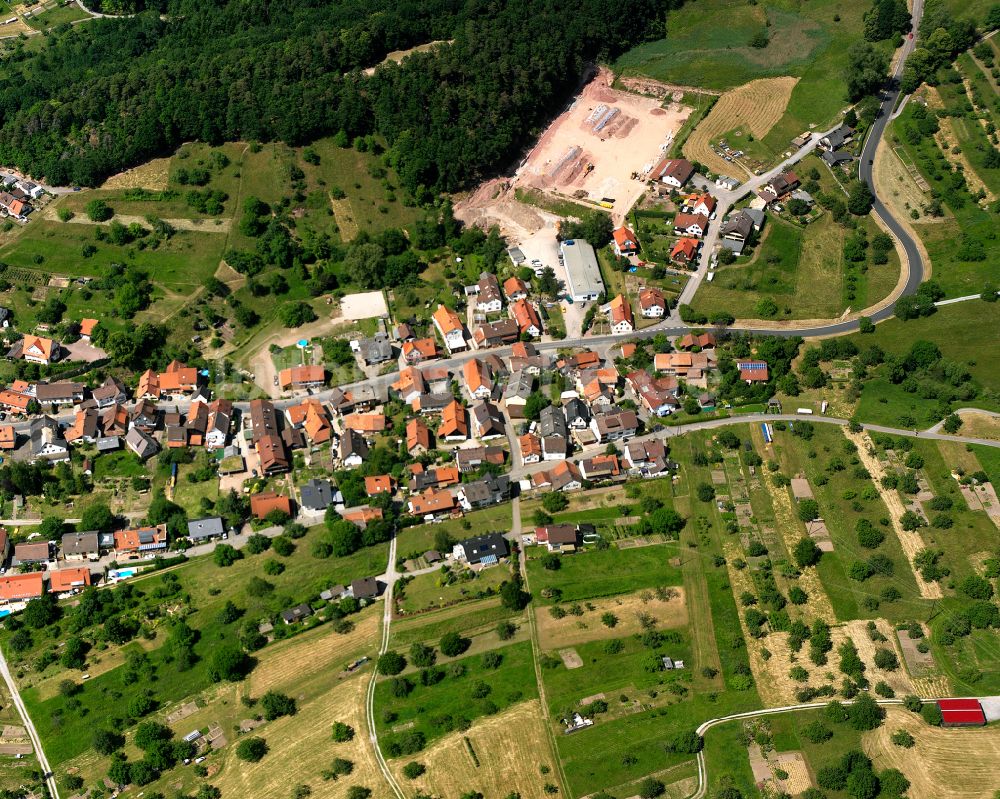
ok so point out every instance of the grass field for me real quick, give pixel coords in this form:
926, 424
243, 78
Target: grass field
595, 573
182, 263
516, 735
956, 330
956, 276
430, 591
712, 49
786, 268
435, 710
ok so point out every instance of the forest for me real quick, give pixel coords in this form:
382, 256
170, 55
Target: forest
106, 96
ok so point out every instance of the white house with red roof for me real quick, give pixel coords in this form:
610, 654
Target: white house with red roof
626, 242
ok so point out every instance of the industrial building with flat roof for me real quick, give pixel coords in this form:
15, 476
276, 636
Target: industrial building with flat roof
583, 275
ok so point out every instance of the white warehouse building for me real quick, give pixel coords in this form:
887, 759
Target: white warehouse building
583, 275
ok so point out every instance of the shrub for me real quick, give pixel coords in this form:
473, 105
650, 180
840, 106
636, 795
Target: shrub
342, 733
413, 769
391, 663
251, 749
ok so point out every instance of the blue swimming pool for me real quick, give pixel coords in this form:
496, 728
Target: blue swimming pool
121, 574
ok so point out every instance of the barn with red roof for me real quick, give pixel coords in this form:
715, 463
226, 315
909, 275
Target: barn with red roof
961, 713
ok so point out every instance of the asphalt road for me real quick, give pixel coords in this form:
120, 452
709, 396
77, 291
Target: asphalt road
36, 741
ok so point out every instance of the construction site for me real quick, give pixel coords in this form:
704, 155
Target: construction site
599, 150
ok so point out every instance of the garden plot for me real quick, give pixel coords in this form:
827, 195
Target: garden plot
765, 769
911, 542
627, 609
602, 145
919, 664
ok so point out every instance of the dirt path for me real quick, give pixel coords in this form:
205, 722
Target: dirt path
912, 543
199, 225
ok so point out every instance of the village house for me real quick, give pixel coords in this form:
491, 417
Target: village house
205, 529
84, 427
647, 457
673, 172
365, 423
379, 484
438, 477
419, 350
8, 437
701, 203
34, 349
352, 450
625, 242
267, 502
81, 546
60, 393
527, 318
753, 371
496, 334
266, 437
837, 138
141, 443
220, 413
488, 421
659, 397
31, 552
87, 327
138, 540
418, 437
450, 328
685, 251
619, 312
778, 187
471, 459
488, 296
410, 384
365, 589
431, 504
564, 476
515, 289
178, 379
554, 433
478, 381
490, 490
557, 537
47, 442
691, 224
21, 587
110, 392
577, 414
317, 495
600, 467
302, 377
652, 303
197, 423
614, 426
482, 550
531, 448
524, 357
144, 415
516, 393
454, 426
702, 341
374, 350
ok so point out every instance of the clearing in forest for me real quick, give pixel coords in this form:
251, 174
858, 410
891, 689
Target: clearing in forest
755, 107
